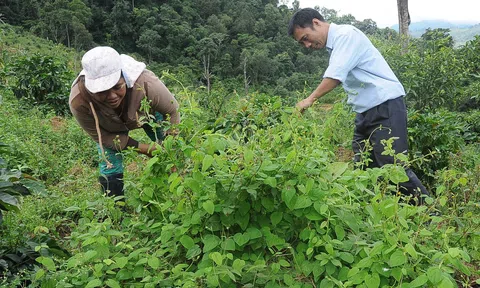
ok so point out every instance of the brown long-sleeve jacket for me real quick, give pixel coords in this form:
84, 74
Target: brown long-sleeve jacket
114, 128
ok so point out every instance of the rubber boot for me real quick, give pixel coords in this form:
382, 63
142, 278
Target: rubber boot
112, 185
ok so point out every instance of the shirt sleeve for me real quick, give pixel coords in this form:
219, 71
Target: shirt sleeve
347, 50
161, 100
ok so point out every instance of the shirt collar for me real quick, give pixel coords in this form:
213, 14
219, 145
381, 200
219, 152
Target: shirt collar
331, 34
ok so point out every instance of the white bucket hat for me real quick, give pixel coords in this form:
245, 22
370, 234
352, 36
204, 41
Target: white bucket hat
102, 67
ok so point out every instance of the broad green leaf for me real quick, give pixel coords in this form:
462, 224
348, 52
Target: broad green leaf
269, 167
320, 208
329, 249
9, 201
241, 239
94, 283
425, 232
284, 263
419, 281
454, 252
268, 204
40, 273
314, 215
354, 271
460, 266
411, 250
210, 241
339, 232
271, 181
207, 162
108, 262
209, 206
288, 194
446, 283
216, 257
153, 262
193, 252
365, 263
253, 233
435, 275
303, 202
337, 169
326, 284
187, 241
276, 217
248, 155
229, 244
90, 254
372, 281
244, 208
47, 262
112, 283
347, 257
124, 274
397, 258
71, 209
291, 156
212, 280
398, 175
238, 264
121, 261
288, 279
397, 273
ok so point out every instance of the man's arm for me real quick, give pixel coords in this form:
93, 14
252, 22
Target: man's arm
327, 85
146, 149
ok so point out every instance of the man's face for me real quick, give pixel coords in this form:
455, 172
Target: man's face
311, 37
113, 97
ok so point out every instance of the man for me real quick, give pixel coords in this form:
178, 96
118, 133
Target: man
374, 91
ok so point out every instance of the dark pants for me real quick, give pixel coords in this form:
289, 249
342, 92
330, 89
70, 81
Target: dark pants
384, 121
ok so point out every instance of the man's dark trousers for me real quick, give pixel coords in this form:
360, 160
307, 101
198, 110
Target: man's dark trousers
384, 121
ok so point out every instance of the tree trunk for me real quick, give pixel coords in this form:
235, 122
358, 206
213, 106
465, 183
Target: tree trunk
68, 36
403, 22
245, 77
206, 71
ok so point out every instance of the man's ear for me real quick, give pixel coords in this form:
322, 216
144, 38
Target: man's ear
315, 22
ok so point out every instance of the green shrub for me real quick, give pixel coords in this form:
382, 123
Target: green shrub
41, 81
433, 138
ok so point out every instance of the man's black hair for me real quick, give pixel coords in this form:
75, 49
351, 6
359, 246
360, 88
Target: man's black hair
303, 18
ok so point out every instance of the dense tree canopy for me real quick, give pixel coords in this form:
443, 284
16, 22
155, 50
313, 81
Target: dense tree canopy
232, 38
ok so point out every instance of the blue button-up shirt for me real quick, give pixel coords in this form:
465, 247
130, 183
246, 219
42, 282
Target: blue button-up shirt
364, 73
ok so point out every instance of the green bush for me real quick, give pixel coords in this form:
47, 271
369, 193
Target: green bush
434, 137
41, 81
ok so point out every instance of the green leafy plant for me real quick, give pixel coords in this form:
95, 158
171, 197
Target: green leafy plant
439, 134
41, 80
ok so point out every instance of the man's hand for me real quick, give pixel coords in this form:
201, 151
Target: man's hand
146, 149
327, 85
304, 104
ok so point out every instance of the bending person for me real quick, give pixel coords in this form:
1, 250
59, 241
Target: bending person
374, 91
106, 100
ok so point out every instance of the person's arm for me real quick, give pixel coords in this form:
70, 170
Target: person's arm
162, 100
327, 85
146, 149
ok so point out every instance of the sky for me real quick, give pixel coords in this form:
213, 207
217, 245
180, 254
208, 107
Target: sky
384, 12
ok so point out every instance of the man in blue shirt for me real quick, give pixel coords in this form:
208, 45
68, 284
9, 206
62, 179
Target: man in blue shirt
374, 91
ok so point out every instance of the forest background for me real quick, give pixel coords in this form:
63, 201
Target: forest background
261, 196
